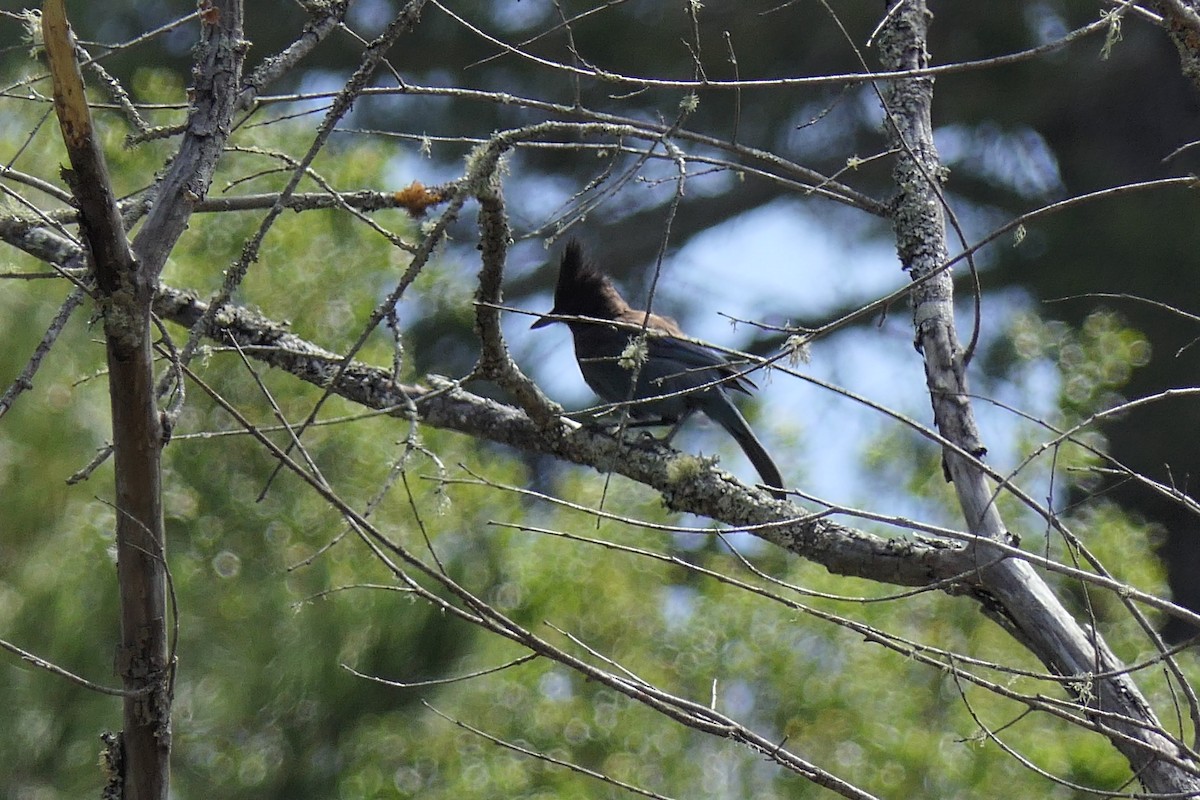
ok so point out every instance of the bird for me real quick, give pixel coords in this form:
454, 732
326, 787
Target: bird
676, 377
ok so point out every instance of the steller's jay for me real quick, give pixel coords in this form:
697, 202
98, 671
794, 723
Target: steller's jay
676, 379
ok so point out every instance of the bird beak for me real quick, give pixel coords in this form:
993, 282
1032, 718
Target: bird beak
542, 322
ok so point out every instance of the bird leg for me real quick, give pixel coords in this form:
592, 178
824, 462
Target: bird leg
632, 423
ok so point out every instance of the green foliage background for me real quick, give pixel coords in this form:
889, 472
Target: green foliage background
269, 613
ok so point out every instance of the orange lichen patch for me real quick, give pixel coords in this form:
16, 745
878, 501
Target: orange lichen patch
416, 198
209, 14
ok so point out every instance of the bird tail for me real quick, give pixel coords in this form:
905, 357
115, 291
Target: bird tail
726, 414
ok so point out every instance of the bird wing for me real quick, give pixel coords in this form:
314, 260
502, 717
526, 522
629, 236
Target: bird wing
704, 364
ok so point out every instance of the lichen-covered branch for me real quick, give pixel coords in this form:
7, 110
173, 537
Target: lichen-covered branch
1010, 588
707, 491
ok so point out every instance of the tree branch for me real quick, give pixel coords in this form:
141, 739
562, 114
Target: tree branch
706, 490
218, 71
124, 294
1011, 587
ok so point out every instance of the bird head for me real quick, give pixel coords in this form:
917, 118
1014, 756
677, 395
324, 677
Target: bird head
582, 290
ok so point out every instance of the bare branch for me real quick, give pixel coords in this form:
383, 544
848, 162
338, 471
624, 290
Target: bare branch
126, 290
327, 17
218, 73
1031, 611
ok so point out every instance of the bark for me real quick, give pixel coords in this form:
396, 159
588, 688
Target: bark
124, 298
1181, 18
126, 281
1011, 587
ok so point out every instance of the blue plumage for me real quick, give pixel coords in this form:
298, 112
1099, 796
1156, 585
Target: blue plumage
675, 378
